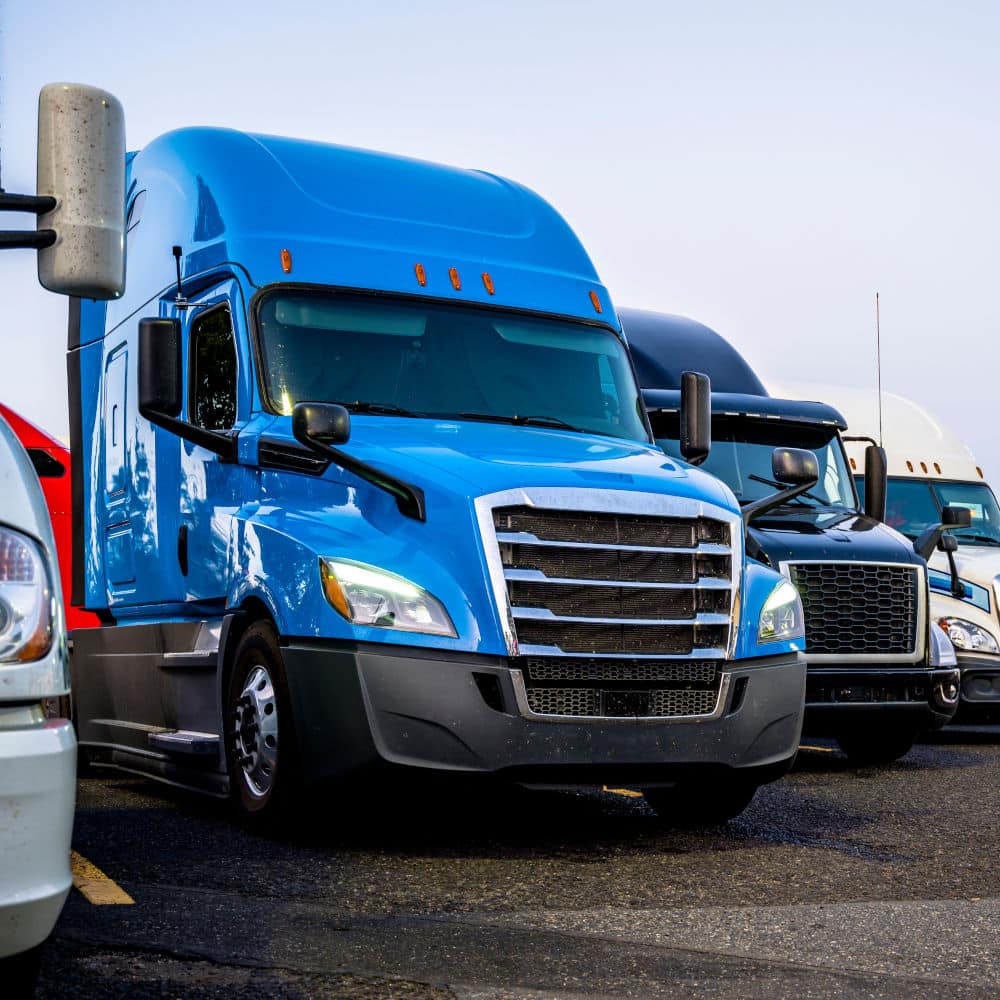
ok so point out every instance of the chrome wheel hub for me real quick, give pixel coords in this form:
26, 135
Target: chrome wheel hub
255, 732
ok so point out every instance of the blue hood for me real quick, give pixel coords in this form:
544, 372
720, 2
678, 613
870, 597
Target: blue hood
473, 459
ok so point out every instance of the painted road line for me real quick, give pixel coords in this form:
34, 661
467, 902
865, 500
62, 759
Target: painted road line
96, 887
803, 746
629, 793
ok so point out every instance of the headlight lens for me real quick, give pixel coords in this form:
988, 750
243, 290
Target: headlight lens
781, 617
968, 637
367, 595
25, 600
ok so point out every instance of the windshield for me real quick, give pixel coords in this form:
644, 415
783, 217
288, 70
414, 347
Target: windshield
424, 359
741, 458
914, 504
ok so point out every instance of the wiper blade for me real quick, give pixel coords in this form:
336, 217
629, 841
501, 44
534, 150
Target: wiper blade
519, 421
973, 537
781, 486
389, 409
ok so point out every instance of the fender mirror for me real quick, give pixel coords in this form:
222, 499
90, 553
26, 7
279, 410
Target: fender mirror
696, 417
956, 517
327, 423
797, 467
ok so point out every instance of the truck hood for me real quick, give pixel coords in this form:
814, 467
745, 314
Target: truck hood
837, 536
474, 459
976, 563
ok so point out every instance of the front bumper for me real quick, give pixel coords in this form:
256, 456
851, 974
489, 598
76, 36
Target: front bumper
877, 695
37, 798
370, 706
980, 684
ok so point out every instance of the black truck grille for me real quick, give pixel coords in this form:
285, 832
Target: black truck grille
858, 609
594, 595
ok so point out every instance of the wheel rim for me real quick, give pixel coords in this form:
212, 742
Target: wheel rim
255, 732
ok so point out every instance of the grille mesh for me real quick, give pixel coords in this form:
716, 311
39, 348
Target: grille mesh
563, 668
860, 610
587, 702
614, 564
585, 601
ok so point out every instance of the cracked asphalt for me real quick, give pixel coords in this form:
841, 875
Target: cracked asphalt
835, 883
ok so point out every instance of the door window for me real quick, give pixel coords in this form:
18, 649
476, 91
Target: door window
213, 371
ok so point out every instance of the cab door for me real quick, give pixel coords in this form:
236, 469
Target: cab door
218, 399
119, 543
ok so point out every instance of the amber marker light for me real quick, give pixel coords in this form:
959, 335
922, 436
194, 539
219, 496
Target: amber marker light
286, 261
937, 468
418, 270
488, 283
980, 471
854, 464
456, 281
334, 592
923, 465
595, 301
909, 465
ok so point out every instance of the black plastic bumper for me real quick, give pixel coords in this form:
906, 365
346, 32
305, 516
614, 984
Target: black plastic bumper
875, 695
370, 706
980, 685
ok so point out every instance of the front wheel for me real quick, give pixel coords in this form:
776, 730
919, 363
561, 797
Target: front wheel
872, 748
707, 804
264, 775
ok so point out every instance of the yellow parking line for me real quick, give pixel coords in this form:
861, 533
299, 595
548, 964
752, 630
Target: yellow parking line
802, 746
95, 885
629, 793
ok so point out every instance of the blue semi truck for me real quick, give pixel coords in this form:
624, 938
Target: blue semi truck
364, 483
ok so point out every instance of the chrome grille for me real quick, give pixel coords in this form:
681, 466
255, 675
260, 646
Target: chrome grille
864, 610
616, 615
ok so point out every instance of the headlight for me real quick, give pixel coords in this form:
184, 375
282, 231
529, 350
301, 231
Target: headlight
25, 600
367, 595
968, 637
781, 617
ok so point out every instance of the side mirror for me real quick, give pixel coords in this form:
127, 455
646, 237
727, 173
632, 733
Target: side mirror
81, 164
956, 517
161, 387
794, 466
161, 380
326, 423
696, 417
876, 482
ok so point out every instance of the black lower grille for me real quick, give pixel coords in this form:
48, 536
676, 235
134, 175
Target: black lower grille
655, 703
858, 609
573, 669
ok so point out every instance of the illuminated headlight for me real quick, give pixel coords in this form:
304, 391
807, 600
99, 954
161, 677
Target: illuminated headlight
781, 617
968, 637
367, 595
26, 601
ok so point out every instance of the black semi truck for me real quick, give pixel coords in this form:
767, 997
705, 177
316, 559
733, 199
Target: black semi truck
878, 672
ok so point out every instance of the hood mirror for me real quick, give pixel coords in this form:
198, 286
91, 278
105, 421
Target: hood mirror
797, 467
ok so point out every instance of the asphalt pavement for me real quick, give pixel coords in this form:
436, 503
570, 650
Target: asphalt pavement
836, 882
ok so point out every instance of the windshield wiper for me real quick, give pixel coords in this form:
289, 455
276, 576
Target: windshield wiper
780, 486
519, 421
962, 536
389, 409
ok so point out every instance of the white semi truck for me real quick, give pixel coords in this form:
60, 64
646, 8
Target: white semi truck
931, 468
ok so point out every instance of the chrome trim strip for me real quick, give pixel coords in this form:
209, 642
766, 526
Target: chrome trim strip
586, 500
521, 694
546, 615
918, 653
709, 653
537, 576
523, 538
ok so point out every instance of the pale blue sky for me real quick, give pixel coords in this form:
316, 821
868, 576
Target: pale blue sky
763, 167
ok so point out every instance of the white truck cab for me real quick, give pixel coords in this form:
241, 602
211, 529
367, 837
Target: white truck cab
930, 468
37, 754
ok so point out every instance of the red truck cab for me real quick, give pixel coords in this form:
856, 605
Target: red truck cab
50, 458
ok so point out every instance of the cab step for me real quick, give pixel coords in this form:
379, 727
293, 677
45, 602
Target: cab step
186, 742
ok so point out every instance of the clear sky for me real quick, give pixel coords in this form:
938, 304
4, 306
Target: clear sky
763, 167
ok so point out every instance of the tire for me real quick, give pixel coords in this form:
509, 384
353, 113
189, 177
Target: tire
867, 748
707, 804
19, 973
261, 750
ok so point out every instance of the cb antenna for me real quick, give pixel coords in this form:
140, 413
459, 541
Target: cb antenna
878, 369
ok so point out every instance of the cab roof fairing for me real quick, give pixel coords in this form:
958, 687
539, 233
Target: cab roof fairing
349, 218
732, 404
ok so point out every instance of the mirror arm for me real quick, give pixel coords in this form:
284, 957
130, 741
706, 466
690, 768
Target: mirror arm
762, 506
409, 498
926, 542
957, 587
222, 445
